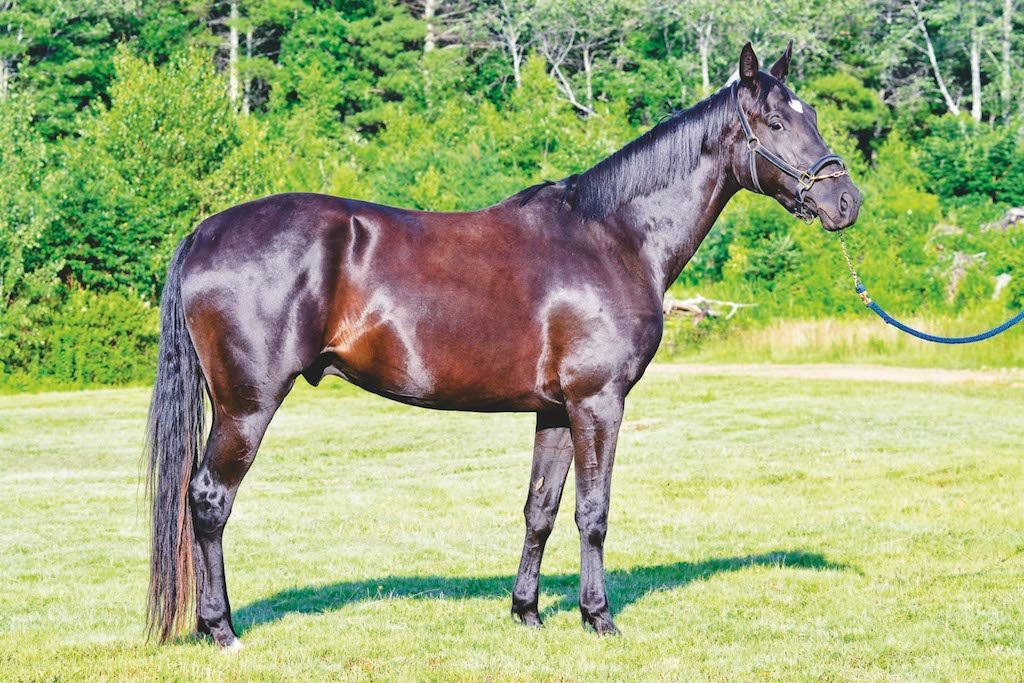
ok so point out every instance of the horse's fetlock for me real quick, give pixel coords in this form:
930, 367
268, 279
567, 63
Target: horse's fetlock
521, 604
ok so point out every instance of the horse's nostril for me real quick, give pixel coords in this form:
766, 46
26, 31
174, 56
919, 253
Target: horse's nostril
844, 203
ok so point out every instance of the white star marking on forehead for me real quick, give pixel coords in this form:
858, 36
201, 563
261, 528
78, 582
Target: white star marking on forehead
797, 105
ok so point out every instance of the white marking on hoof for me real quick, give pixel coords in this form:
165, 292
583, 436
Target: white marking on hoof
232, 647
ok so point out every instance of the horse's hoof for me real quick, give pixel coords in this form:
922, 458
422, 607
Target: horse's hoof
531, 619
232, 647
602, 625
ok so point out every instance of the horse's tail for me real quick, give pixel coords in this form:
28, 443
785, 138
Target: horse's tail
174, 443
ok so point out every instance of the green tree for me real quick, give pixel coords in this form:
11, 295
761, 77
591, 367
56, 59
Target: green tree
27, 294
966, 160
132, 184
61, 52
348, 64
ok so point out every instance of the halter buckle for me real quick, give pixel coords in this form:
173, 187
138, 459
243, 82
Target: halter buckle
800, 211
806, 180
753, 143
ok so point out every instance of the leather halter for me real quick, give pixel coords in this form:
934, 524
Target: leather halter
805, 179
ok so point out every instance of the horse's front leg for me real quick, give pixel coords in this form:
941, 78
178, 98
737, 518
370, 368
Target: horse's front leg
552, 453
594, 424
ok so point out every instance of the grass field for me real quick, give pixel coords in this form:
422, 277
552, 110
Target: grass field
761, 528
863, 339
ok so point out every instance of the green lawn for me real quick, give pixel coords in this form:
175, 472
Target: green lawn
784, 529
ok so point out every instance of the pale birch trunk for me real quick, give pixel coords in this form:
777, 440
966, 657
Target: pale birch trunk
247, 91
429, 12
512, 42
951, 104
588, 70
704, 48
1007, 41
7, 63
975, 74
5, 79
233, 54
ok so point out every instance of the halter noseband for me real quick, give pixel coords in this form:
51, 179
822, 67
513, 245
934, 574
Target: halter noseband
805, 179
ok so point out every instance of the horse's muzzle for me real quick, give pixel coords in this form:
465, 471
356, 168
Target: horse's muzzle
840, 213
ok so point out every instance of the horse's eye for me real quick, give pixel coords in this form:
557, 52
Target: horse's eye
776, 125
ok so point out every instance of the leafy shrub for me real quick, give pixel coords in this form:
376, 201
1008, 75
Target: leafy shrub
103, 339
89, 338
848, 108
969, 160
763, 248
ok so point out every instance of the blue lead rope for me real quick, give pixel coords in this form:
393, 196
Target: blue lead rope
931, 337
862, 292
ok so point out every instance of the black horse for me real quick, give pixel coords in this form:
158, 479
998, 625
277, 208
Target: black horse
548, 302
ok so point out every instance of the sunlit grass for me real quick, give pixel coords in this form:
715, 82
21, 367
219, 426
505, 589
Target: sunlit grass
865, 339
760, 529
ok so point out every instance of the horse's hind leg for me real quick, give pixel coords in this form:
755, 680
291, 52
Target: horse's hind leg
552, 454
238, 427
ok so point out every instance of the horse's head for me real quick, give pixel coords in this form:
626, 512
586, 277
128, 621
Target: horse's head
780, 152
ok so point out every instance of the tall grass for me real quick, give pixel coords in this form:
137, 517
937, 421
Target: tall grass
864, 339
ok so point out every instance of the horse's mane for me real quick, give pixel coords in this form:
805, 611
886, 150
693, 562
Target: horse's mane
649, 163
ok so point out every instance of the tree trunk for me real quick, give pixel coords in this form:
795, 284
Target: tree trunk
565, 85
704, 48
975, 74
588, 70
5, 79
512, 42
233, 54
7, 63
429, 12
247, 92
1007, 41
951, 104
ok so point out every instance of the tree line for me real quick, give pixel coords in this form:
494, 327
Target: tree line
124, 122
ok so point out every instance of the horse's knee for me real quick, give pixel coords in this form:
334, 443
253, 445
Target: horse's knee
539, 525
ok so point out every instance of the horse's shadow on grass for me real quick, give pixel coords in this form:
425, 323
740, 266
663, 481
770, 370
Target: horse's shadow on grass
625, 586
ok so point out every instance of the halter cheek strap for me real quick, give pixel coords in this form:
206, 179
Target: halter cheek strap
805, 179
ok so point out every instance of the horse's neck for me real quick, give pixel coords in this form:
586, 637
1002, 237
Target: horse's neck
670, 224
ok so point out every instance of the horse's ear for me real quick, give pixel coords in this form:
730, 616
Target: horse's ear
748, 66
780, 69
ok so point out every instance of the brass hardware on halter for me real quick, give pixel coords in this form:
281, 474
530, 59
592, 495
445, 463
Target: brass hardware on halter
862, 291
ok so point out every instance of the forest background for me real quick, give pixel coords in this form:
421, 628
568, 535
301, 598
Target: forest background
123, 123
